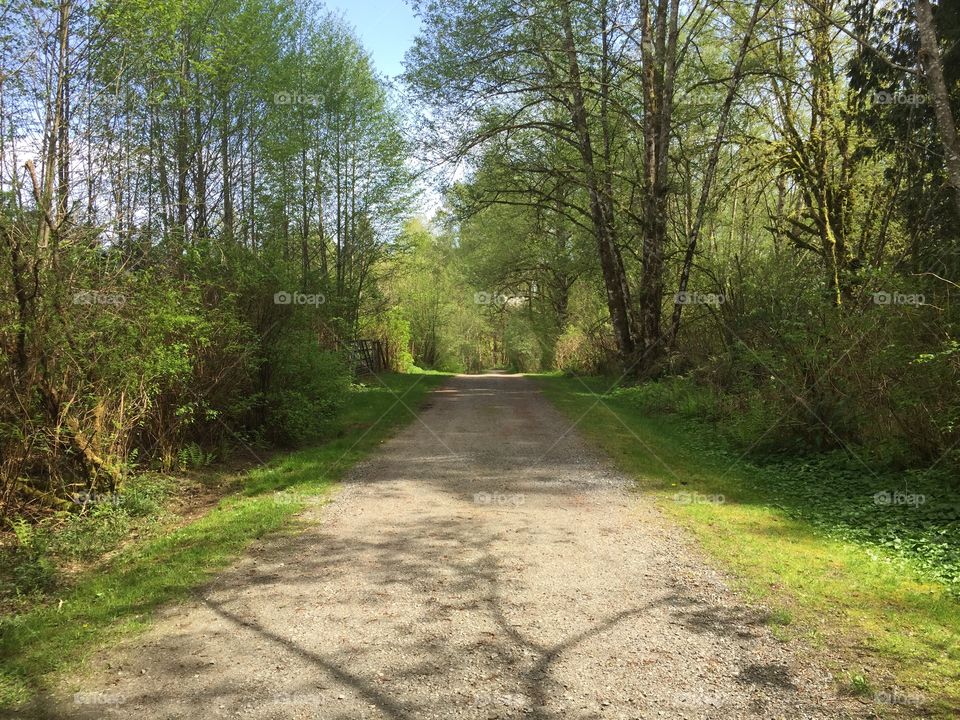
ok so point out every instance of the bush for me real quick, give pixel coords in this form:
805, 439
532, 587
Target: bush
788, 371
581, 352
394, 331
307, 389
523, 351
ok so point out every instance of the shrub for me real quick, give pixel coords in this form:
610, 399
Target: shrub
307, 389
578, 352
523, 351
788, 371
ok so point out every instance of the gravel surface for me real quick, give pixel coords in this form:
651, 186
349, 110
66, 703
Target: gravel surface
485, 563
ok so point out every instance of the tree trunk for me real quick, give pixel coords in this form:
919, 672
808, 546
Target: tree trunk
226, 172
611, 263
710, 172
933, 70
658, 53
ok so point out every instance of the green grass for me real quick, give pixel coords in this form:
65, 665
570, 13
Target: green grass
119, 598
913, 515
886, 619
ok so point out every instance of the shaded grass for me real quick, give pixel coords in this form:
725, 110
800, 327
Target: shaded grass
37, 557
885, 623
120, 598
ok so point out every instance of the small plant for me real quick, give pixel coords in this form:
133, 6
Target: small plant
858, 686
193, 456
88, 536
779, 617
778, 621
31, 570
144, 495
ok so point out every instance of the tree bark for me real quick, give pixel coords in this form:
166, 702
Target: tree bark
933, 71
658, 57
226, 172
611, 263
711, 169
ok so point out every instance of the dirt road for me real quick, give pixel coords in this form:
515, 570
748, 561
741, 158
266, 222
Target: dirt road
484, 564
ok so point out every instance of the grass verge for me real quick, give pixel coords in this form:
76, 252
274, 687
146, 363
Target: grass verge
890, 633
120, 597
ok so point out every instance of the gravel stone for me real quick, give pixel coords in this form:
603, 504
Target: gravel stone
483, 563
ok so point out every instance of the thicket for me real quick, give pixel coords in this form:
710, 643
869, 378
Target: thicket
194, 200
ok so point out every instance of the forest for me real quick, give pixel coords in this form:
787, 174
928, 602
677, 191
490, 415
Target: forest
756, 206
742, 215
751, 203
163, 190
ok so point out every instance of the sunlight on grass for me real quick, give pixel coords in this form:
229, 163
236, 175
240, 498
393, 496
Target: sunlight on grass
106, 604
892, 633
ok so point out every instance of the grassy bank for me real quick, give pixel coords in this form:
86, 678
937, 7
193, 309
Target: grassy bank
119, 596
865, 581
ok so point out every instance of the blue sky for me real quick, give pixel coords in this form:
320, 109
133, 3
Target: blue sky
385, 27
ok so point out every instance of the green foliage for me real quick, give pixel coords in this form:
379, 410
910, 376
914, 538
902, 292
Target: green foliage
743, 417
144, 495
165, 565
787, 372
95, 532
820, 213
523, 352
447, 328
393, 328
157, 323
94, 526
102, 521
858, 685
28, 570
913, 515
192, 455
307, 389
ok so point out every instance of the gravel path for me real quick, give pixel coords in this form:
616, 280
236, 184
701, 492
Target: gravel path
484, 564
